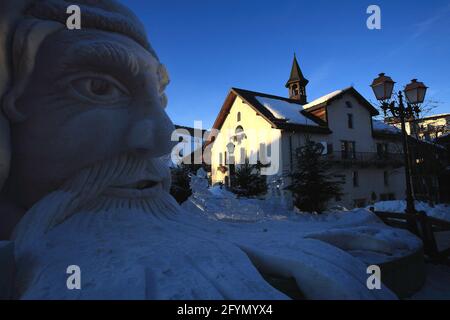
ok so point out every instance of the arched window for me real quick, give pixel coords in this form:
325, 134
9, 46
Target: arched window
238, 130
238, 117
295, 90
302, 91
239, 134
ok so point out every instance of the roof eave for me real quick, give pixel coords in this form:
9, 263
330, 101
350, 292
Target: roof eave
302, 82
359, 97
302, 128
385, 135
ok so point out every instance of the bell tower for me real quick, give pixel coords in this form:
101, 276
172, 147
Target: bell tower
297, 83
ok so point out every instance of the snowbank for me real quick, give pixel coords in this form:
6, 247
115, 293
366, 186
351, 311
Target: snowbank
326, 255
219, 204
280, 236
439, 211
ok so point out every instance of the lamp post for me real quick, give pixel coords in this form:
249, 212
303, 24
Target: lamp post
383, 87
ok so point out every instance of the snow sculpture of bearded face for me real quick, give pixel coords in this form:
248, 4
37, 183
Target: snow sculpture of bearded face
92, 96
81, 100
83, 129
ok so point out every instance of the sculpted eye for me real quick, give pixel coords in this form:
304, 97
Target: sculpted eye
99, 89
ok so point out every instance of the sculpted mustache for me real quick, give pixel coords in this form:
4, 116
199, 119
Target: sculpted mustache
85, 186
91, 182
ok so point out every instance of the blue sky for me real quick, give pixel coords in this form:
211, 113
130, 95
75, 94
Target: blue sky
210, 46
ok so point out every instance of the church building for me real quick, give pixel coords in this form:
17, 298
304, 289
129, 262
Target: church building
260, 127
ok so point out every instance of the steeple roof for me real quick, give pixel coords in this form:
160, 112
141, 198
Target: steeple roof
296, 74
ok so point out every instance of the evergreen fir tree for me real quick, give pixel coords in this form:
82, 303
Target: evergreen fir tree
312, 185
248, 180
180, 188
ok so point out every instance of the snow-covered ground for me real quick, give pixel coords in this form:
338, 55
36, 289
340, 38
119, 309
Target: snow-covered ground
376, 242
331, 250
439, 211
353, 236
437, 284
216, 247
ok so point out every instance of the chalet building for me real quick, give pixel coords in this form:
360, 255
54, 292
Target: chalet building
427, 128
444, 178
366, 153
428, 145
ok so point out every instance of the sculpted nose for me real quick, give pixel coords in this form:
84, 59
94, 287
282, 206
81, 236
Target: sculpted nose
151, 134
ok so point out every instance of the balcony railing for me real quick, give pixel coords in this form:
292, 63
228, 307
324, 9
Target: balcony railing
365, 158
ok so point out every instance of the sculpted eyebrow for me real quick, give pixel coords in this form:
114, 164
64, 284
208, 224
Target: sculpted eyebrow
105, 55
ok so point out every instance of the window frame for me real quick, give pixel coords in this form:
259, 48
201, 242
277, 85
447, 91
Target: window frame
355, 179
350, 122
386, 178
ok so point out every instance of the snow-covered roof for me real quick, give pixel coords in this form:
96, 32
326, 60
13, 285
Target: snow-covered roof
380, 126
328, 98
282, 113
284, 110
322, 99
439, 115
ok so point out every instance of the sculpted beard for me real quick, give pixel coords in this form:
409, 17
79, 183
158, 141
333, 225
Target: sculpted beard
127, 182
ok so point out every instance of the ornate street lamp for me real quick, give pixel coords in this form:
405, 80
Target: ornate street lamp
415, 94
383, 86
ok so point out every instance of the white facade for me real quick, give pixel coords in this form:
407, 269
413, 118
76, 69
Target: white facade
369, 170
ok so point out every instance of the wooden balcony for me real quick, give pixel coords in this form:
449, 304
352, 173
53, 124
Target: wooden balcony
366, 159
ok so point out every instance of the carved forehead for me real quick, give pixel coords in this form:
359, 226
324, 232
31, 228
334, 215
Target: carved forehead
94, 49
89, 43
106, 15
